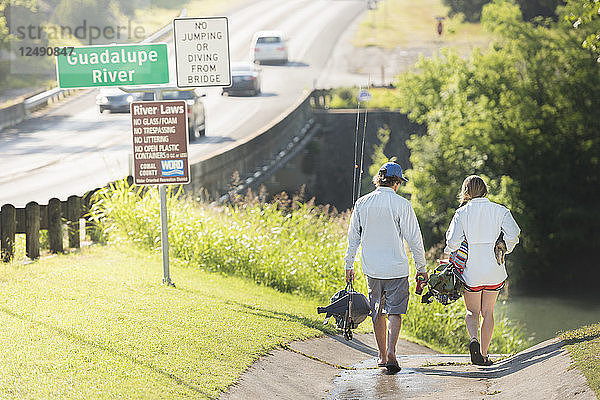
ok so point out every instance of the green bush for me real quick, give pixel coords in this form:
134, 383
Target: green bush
523, 116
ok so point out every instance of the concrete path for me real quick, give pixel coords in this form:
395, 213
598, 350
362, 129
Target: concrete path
331, 368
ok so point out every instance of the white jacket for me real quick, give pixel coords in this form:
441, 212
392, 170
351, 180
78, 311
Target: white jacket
480, 221
380, 221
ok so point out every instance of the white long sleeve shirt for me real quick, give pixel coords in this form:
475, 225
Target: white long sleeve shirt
480, 221
379, 222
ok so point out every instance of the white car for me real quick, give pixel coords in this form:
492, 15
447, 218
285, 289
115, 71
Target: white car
269, 46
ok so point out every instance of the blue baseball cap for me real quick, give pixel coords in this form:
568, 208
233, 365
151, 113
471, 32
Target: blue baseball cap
392, 169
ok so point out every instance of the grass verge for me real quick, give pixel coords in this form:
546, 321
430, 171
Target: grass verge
162, 12
288, 244
409, 23
347, 98
584, 346
98, 324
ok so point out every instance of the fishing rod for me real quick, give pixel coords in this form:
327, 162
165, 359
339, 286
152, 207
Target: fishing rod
359, 171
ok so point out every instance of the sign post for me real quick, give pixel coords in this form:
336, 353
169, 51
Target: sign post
202, 52
160, 138
113, 65
164, 234
201, 60
160, 154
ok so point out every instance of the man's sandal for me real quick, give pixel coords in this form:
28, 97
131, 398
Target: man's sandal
393, 368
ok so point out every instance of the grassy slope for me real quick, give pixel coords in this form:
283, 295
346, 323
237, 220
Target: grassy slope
162, 12
584, 346
100, 325
410, 23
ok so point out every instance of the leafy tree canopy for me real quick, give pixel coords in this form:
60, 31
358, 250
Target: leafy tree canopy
471, 9
524, 116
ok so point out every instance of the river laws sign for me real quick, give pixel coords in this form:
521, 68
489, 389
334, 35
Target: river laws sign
113, 65
202, 52
160, 142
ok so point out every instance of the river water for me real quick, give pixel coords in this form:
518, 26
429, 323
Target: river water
543, 317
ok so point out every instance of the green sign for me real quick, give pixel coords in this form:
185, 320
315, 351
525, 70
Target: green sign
114, 65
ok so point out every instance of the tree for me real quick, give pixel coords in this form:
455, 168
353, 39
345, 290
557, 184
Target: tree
5, 8
530, 9
523, 115
585, 15
471, 9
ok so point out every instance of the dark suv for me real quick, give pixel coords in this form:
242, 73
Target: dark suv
195, 108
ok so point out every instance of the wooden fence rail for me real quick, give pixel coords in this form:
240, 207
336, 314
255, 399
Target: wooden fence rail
34, 217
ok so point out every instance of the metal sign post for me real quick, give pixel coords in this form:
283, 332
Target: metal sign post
160, 154
164, 234
201, 60
164, 221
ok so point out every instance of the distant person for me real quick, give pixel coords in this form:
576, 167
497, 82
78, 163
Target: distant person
481, 222
380, 222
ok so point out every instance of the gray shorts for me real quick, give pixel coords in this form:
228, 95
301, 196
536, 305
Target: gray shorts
388, 296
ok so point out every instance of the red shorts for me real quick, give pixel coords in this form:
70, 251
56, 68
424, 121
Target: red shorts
495, 288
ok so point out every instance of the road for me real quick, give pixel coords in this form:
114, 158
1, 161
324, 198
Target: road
71, 149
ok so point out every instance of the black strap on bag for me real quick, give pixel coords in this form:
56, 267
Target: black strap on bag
348, 325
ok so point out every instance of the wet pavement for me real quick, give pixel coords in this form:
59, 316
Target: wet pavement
375, 384
330, 368
422, 376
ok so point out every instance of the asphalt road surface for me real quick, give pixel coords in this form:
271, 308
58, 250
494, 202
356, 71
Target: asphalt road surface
71, 148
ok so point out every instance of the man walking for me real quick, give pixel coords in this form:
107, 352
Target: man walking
380, 222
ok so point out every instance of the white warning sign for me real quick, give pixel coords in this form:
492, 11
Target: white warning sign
202, 52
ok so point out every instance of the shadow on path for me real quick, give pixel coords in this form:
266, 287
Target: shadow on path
280, 315
505, 367
356, 344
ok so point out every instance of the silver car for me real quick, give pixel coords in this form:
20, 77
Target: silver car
269, 46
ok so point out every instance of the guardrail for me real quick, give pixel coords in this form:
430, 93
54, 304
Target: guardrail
17, 113
256, 157
45, 98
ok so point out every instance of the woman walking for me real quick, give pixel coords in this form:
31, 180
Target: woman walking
480, 222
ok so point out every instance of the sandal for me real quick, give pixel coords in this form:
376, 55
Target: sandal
393, 368
474, 349
486, 361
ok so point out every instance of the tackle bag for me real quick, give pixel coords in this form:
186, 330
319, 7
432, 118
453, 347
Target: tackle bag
445, 285
348, 308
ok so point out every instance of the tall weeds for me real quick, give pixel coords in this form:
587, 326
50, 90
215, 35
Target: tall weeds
288, 244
